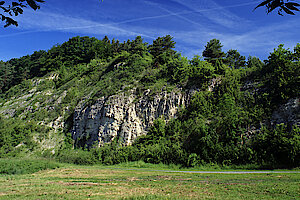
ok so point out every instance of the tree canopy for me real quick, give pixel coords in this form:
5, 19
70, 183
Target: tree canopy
228, 118
213, 51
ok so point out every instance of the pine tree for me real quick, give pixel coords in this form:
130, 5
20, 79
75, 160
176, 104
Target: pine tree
213, 51
234, 59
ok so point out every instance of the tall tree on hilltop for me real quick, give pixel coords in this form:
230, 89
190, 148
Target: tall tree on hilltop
253, 61
282, 74
234, 59
138, 46
297, 52
213, 51
162, 44
161, 47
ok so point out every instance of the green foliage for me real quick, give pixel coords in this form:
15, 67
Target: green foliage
234, 60
253, 69
278, 146
297, 52
254, 62
213, 51
25, 166
79, 157
157, 130
192, 73
15, 9
282, 75
19, 89
161, 48
215, 127
201, 105
16, 135
6, 73
282, 5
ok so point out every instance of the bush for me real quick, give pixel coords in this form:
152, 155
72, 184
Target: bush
25, 166
79, 157
278, 147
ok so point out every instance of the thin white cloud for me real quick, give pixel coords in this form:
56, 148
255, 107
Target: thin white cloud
210, 8
47, 21
179, 15
264, 39
214, 12
258, 41
60, 22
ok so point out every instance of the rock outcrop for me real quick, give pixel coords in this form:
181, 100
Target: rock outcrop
288, 113
123, 116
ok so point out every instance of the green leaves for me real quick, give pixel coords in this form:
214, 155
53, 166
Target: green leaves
274, 4
32, 4
282, 5
291, 6
16, 8
287, 7
234, 59
213, 51
263, 3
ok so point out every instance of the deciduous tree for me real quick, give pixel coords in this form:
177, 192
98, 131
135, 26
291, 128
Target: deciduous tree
16, 8
282, 6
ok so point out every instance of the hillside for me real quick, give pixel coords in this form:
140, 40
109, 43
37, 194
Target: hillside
134, 101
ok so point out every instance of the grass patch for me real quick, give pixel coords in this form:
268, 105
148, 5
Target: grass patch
147, 197
143, 165
97, 182
25, 166
203, 167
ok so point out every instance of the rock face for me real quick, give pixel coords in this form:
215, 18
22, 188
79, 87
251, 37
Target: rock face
124, 116
288, 113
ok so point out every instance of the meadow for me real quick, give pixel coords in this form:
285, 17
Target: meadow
138, 181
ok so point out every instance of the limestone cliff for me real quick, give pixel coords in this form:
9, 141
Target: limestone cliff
124, 116
288, 113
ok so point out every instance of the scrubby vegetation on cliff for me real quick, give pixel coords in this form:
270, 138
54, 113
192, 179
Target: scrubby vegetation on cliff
229, 120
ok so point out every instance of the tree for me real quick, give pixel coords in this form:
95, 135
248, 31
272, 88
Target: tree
282, 75
138, 46
282, 5
6, 76
161, 48
213, 51
234, 59
16, 8
78, 50
254, 62
162, 44
297, 52
200, 71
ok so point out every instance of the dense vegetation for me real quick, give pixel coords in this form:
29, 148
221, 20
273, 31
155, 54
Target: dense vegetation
228, 124
25, 166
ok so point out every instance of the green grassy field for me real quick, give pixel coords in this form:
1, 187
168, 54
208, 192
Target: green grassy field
100, 182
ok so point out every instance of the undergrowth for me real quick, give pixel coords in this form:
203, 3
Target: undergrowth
25, 166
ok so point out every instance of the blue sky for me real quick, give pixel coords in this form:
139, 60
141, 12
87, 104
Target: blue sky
192, 23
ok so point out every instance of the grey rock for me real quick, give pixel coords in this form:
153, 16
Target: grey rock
288, 113
123, 116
